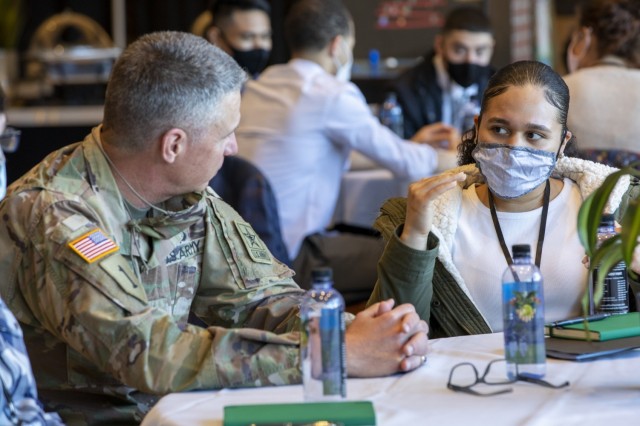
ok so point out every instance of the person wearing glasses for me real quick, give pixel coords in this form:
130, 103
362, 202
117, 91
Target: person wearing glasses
517, 185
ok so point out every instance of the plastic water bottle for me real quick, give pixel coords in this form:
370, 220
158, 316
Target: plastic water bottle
322, 348
374, 61
615, 299
391, 114
523, 314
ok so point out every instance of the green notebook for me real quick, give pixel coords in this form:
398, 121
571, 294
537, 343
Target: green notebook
613, 327
347, 413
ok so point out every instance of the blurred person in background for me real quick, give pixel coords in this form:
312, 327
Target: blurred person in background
300, 122
19, 396
446, 86
604, 54
242, 28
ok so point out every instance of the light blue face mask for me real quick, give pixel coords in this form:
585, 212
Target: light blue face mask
513, 171
343, 72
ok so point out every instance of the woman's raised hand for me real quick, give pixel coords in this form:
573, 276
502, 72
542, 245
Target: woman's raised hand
419, 215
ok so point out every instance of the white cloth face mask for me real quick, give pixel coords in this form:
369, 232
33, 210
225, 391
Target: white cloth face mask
3, 175
343, 72
513, 171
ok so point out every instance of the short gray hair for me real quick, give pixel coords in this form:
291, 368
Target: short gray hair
164, 80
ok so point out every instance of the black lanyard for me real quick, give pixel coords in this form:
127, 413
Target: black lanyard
543, 225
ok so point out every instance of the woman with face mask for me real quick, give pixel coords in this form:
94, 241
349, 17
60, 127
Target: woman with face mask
449, 241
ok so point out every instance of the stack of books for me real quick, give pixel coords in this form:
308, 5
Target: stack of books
593, 336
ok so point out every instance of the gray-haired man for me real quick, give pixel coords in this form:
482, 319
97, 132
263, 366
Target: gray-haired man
132, 279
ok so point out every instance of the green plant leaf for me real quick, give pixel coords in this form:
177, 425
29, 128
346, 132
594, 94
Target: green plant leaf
630, 230
587, 237
610, 245
591, 211
594, 261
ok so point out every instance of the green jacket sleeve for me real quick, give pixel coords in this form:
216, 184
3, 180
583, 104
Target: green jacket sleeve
406, 274
417, 277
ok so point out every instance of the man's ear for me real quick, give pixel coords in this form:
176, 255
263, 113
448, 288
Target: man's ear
213, 35
173, 144
438, 45
334, 45
578, 47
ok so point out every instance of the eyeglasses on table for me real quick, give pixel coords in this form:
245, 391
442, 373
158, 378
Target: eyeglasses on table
464, 376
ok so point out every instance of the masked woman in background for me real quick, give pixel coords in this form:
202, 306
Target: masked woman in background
515, 186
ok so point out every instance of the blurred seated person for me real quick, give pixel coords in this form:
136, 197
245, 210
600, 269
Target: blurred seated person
242, 28
247, 190
449, 242
19, 397
131, 279
605, 86
446, 86
299, 123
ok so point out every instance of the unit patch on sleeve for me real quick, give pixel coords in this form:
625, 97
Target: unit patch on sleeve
93, 245
254, 245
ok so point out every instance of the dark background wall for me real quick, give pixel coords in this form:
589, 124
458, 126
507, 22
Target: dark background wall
144, 16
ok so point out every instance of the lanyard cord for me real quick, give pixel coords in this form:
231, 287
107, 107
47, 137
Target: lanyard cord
543, 226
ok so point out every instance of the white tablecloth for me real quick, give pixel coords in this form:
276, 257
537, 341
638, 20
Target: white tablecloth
602, 392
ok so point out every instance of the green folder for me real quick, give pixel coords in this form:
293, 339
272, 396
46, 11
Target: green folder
346, 413
613, 327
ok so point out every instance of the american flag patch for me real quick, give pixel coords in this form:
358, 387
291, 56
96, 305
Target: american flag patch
93, 245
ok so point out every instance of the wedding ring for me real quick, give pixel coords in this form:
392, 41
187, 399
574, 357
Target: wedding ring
423, 359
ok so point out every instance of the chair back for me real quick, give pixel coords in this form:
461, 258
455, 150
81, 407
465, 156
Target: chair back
245, 188
611, 157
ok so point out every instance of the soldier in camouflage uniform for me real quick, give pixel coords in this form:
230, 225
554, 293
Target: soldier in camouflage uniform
132, 279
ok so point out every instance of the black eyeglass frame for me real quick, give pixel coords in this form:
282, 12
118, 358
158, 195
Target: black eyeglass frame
482, 379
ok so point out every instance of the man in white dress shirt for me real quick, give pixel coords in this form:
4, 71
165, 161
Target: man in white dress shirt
300, 121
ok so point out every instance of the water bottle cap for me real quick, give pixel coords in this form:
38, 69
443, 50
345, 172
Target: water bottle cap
374, 56
322, 274
607, 219
521, 250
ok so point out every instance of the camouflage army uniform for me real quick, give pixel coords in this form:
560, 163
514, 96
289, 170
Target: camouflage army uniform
119, 323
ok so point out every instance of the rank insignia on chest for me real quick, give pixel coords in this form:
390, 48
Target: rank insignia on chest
254, 245
93, 245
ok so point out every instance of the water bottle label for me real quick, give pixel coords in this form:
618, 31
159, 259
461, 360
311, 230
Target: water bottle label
333, 362
523, 323
615, 297
323, 357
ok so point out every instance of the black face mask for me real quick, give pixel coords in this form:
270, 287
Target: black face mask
466, 74
254, 61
